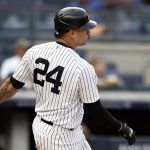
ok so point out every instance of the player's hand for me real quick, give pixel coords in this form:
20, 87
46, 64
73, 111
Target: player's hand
127, 133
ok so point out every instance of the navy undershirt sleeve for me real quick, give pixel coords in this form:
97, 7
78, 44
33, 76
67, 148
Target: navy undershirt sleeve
102, 116
16, 84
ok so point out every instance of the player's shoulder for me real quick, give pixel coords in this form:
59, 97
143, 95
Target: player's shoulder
39, 47
84, 65
42, 45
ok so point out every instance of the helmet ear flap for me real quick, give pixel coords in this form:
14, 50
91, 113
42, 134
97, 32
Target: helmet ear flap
60, 28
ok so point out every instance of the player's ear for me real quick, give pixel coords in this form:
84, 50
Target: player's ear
72, 34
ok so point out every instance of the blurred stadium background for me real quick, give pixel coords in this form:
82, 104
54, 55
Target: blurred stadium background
126, 48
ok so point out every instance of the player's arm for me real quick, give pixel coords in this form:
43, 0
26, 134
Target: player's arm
89, 96
102, 116
17, 80
7, 90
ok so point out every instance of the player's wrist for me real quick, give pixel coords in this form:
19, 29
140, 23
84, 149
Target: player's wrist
121, 126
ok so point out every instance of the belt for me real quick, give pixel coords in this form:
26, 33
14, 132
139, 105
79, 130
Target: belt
47, 122
51, 123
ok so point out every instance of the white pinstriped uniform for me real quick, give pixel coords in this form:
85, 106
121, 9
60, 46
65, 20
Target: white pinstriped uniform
63, 81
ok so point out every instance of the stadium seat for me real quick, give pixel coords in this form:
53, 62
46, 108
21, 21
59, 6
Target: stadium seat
132, 81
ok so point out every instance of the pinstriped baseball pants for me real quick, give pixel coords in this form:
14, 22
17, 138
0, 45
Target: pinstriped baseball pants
57, 138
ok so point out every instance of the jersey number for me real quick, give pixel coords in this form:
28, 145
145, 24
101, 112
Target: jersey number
48, 76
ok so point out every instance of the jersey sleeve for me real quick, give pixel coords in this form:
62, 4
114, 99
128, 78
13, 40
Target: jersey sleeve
88, 85
23, 73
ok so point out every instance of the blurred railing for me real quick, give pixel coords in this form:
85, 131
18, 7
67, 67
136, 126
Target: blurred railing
19, 22
36, 23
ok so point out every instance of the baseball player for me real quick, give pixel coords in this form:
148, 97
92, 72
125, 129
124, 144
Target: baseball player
63, 83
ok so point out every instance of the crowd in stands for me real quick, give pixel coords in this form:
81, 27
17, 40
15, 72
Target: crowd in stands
108, 78
116, 19
10, 64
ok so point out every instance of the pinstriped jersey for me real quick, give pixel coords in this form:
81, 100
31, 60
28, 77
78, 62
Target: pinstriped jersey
62, 82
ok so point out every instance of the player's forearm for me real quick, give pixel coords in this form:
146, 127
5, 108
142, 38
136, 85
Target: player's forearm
7, 91
102, 116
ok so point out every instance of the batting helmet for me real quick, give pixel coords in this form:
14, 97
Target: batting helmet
72, 18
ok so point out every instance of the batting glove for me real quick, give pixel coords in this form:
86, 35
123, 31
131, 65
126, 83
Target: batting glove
127, 133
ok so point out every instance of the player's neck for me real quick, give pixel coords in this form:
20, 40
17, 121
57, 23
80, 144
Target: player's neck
67, 43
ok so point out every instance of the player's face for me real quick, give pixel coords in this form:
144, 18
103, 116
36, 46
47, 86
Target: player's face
82, 36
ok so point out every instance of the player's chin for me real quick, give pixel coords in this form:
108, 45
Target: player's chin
84, 43
86, 40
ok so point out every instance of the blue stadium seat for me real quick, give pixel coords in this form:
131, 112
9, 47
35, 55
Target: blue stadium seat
132, 81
